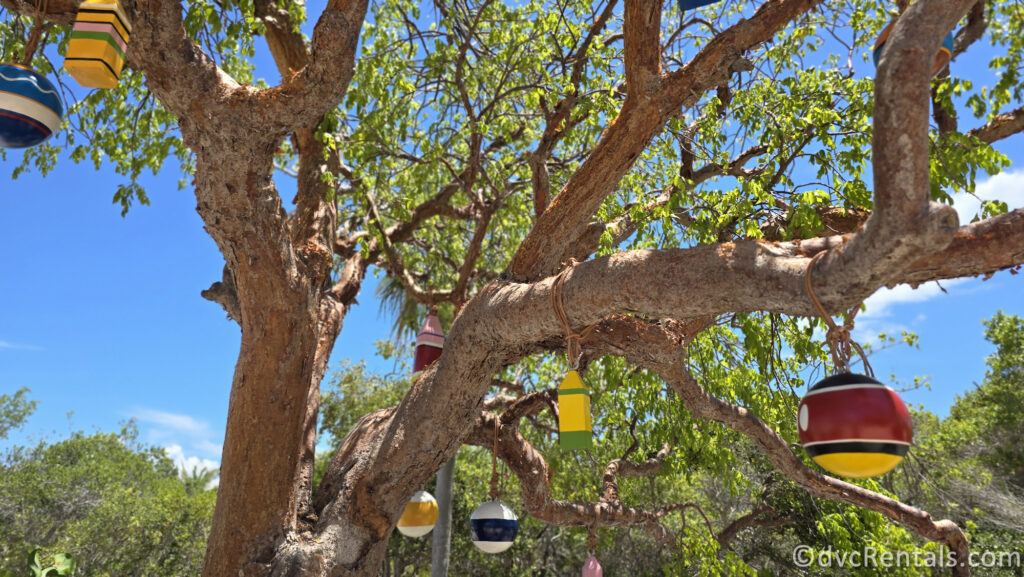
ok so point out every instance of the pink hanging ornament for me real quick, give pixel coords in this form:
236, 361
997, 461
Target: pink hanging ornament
592, 568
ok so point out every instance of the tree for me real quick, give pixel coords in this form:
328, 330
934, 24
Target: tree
116, 506
968, 465
697, 177
14, 409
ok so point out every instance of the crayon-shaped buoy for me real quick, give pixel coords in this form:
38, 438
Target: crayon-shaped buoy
99, 41
575, 428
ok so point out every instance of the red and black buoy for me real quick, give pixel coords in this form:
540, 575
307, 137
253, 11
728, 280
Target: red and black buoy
854, 426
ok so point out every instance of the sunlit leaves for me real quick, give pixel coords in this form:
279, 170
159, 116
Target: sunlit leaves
65, 497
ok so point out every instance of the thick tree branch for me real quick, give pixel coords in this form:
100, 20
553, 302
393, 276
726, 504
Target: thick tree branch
945, 119
905, 225
980, 248
303, 98
351, 279
625, 468
755, 518
283, 38
977, 23
1000, 127
461, 292
642, 32
313, 222
640, 119
535, 478
733, 277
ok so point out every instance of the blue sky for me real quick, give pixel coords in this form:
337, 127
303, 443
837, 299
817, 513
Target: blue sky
101, 315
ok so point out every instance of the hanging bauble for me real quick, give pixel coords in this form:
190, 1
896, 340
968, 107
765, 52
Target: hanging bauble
493, 527
420, 515
575, 428
854, 426
941, 59
30, 108
592, 568
99, 40
429, 345
685, 5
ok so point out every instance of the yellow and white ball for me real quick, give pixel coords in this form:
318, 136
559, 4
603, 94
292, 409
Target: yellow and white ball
420, 515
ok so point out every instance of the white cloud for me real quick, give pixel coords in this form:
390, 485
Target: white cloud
189, 442
175, 422
207, 446
880, 304
190, 464
1005, 186
880, 308
18, 347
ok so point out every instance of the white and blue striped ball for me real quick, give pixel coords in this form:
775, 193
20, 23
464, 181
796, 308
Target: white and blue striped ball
493, 527
30, 108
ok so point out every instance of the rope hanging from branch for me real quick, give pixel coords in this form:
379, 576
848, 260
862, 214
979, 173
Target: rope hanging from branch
575, 425
37, 32
494, 461
839, 338
574, 351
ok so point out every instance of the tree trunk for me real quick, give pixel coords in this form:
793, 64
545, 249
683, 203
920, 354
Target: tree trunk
289, 326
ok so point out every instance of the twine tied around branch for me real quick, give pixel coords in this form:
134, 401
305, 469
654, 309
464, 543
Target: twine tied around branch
574, 351
37, 31
839, 338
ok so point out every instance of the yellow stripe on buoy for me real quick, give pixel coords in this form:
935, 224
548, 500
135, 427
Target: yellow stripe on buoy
419, 514
858, 465
575, 427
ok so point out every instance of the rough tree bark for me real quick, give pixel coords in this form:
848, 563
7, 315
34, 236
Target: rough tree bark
291, 312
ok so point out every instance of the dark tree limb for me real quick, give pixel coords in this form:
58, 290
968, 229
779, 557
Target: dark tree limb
762, 516
1000, 127
625, 468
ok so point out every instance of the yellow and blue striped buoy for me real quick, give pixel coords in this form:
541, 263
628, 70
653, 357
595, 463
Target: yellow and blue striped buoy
575, 428
30, 108
420, 515
99, 40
